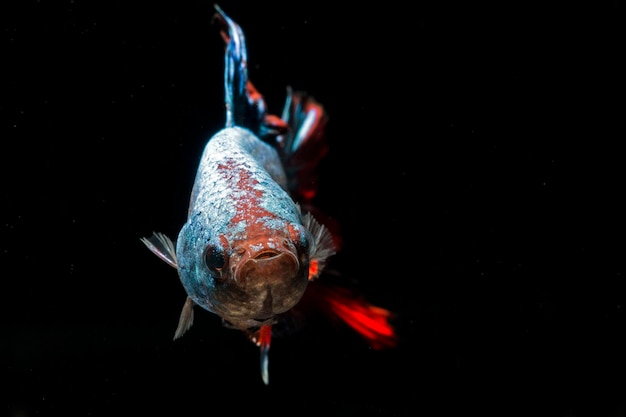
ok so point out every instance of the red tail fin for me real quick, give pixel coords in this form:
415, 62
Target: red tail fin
368, 320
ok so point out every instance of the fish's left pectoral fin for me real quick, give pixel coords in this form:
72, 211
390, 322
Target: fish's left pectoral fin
324, 245
163, 247
186, 318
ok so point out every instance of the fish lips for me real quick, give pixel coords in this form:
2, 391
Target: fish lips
274, 277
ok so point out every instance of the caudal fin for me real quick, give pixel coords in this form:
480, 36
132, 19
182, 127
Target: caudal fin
371, 322
245, 106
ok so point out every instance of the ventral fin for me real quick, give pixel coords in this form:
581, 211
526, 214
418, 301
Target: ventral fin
186, 318
265, 338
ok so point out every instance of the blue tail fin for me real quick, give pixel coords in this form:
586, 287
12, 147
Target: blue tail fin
298, 133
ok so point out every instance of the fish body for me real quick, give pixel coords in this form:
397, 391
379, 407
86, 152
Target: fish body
244, 251
247, 251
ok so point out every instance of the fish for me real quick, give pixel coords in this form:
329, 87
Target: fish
252, 250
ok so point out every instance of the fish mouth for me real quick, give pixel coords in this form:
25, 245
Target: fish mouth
272, 281
267, 254
267, 267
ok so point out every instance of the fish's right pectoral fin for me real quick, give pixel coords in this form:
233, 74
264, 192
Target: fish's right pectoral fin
186, 318
163, 247
324, 246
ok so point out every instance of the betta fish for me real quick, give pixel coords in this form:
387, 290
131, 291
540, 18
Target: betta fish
248, 251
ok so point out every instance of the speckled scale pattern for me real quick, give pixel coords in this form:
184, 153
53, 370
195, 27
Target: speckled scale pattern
240, 179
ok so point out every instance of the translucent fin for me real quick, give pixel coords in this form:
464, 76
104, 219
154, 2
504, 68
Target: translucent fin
163, 247
324, 246
304, 144
186, 318
306, 119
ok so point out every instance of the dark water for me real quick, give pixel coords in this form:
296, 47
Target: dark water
475, 168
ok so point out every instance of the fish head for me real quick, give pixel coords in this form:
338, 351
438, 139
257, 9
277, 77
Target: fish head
254, 276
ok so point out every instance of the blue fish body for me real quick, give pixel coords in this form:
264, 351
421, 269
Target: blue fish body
247, 252
244, 251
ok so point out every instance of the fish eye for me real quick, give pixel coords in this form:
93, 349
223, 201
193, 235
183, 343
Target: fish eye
214, 259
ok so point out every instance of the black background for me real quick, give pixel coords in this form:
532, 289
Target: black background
475, 168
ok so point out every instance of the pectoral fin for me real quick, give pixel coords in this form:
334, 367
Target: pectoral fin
163, 247
324, 246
